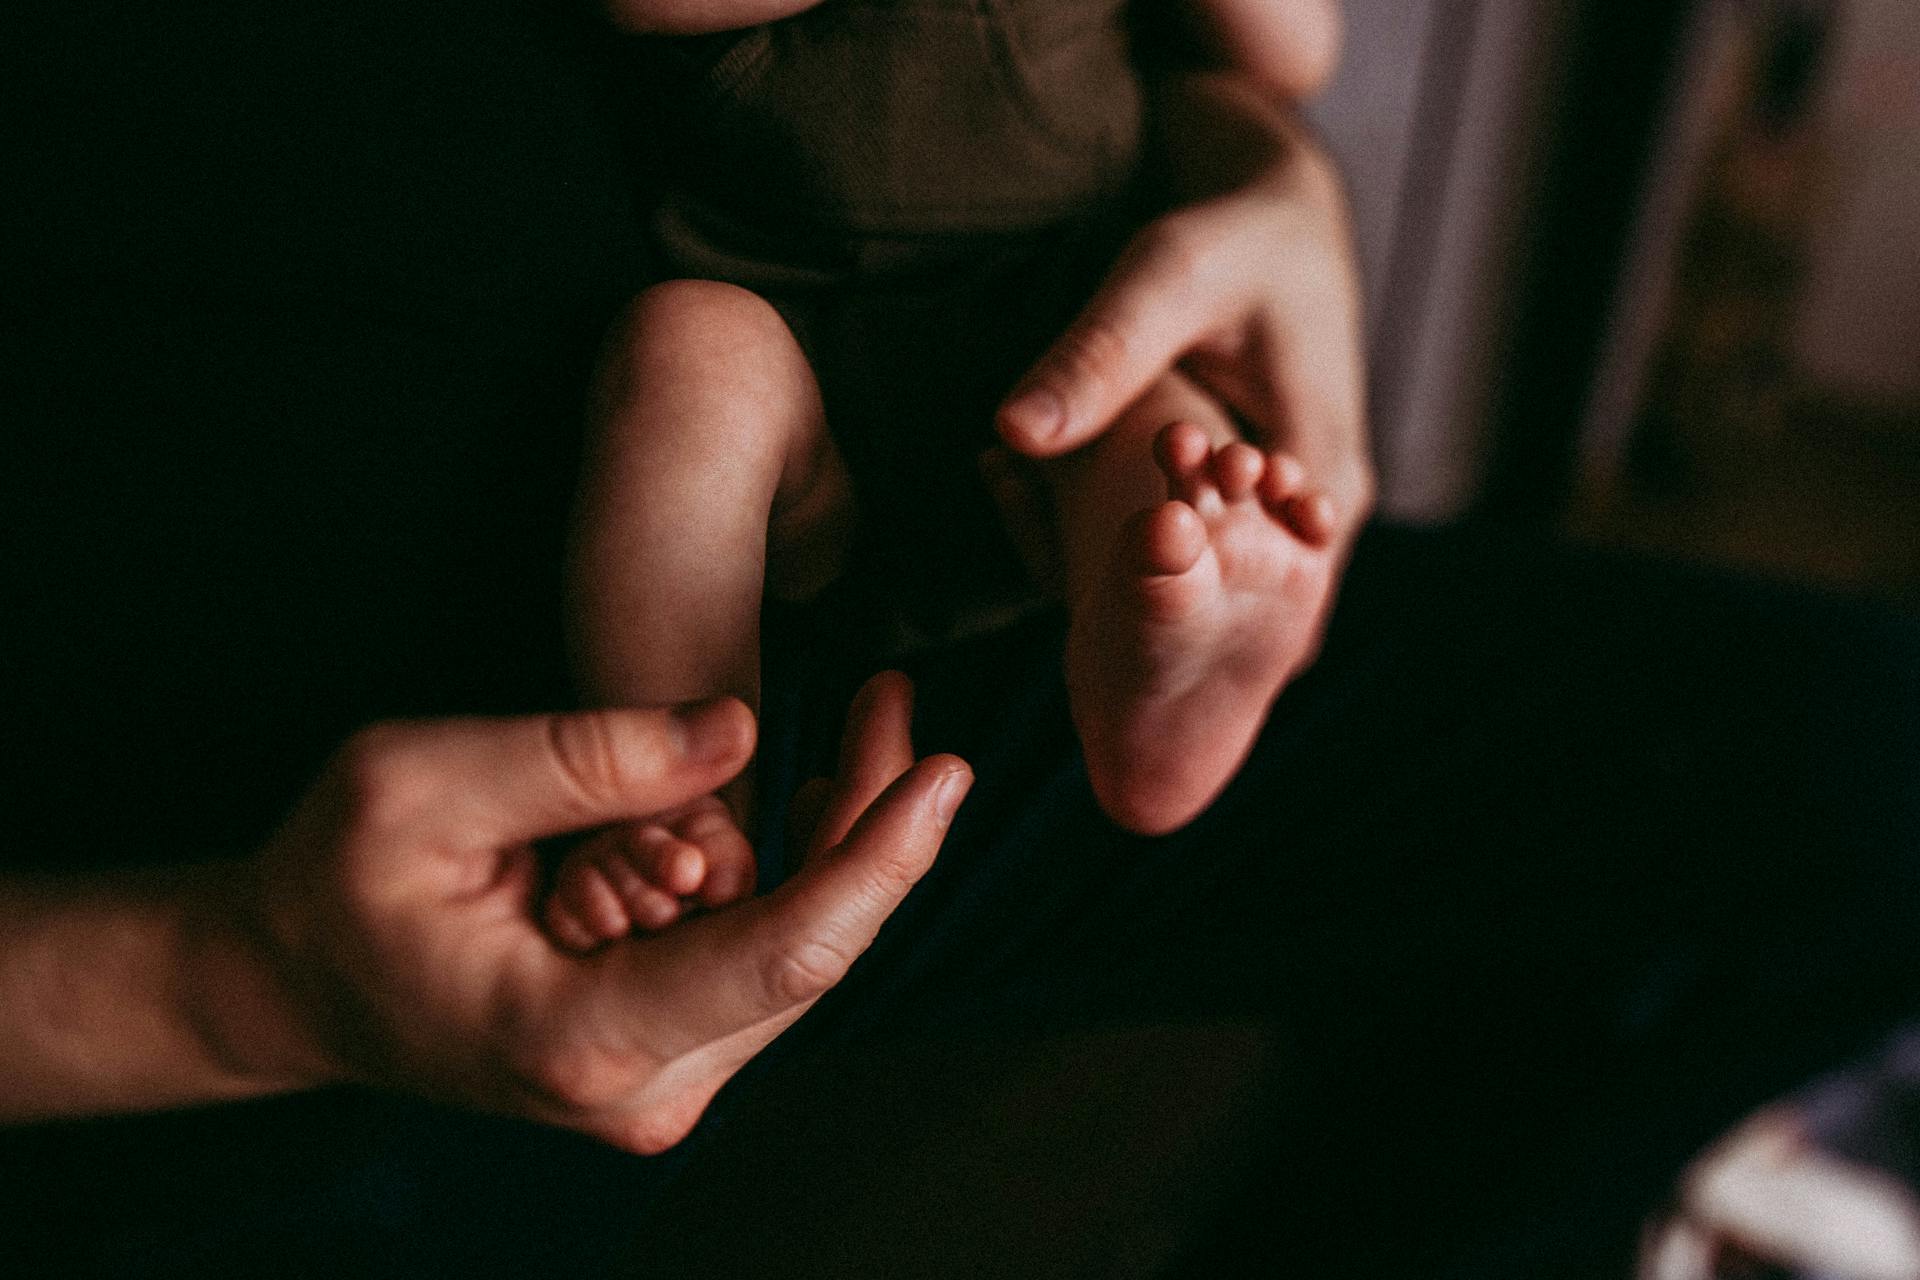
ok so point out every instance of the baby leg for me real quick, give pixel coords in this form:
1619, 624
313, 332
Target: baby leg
1195, 567
710, 455
709, 458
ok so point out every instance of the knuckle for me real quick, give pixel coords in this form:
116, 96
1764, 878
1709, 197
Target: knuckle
587, 757
894, 878
659, 1129
383, 779
803, 971
1096, 352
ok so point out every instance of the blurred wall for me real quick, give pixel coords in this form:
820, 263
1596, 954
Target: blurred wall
1434, 118
1858, 336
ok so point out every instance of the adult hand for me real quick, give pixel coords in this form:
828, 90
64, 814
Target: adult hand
1249, 288
400, 910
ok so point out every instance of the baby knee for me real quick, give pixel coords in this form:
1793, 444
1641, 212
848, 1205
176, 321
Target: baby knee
683, 311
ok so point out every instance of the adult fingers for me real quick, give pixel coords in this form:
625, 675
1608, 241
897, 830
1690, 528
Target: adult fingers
756, 965
810, 930
1155, 305
876, 748
536, 776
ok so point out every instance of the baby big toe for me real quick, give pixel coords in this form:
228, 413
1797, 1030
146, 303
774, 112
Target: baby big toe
1162, 541
730, 869
1182, 452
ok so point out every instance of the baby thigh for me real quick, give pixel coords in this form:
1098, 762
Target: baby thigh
708, 432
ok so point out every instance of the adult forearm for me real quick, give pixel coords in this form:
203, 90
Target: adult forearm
136, 992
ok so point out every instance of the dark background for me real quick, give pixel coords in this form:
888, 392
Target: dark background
296, 306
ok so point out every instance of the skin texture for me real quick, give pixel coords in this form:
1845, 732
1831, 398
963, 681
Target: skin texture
712, 476
1290, 47
386, 935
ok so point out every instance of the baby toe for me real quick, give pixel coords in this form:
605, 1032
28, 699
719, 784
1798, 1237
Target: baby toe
647, 907
1162, 541
1181, 450
1284, 477
1237, 467
1310, 515
730, 866
668, 862
584, 910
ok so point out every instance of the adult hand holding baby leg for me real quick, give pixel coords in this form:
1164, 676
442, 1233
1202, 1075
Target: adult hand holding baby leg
646, 875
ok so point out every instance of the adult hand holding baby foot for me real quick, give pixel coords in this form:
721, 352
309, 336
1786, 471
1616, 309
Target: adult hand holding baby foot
1249, 289
646, 875
1228, 334
403, 913
388, 934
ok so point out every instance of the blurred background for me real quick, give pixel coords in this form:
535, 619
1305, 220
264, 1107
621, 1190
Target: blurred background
1648, 274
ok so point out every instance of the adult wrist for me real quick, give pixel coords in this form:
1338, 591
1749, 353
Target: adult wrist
237, 994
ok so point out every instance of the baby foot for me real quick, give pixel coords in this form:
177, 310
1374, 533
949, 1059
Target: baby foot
644, 875
1212, 601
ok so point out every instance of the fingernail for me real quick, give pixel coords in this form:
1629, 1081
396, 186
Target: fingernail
1037, 414
953, 789
709, 731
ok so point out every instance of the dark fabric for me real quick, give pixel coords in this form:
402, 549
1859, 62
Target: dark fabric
910, 376
865, 125
1554, 866
927, 190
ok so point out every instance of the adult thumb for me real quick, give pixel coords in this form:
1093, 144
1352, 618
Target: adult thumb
814, 926
1145, 316
553, 774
